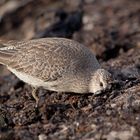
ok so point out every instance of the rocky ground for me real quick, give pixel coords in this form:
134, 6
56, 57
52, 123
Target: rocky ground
111, 29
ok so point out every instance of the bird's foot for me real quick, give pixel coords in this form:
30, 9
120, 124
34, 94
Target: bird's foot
35, 96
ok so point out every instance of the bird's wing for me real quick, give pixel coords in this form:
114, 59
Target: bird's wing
43, 59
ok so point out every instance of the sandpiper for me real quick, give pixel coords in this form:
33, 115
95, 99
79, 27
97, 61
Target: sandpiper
56, 64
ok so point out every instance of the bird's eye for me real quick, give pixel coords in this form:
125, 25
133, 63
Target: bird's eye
101, 84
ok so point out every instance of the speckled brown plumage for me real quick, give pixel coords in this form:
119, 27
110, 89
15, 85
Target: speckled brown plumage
46, 58
54, 63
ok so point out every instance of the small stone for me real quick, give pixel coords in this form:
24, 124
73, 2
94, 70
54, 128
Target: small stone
42, 137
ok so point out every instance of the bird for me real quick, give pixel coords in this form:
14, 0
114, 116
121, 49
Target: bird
56, 64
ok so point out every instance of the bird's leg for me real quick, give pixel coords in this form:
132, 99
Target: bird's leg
34, 90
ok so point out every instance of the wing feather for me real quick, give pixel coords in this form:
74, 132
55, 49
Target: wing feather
35, 58
46, 59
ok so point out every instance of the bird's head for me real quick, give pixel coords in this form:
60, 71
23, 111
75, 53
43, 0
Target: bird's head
100, 81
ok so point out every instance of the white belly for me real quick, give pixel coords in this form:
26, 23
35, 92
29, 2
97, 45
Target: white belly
35, 82
27, 78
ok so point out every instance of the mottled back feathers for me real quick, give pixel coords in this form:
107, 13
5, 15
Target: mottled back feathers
47, 58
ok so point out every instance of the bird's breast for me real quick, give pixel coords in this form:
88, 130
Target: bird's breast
61, 85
